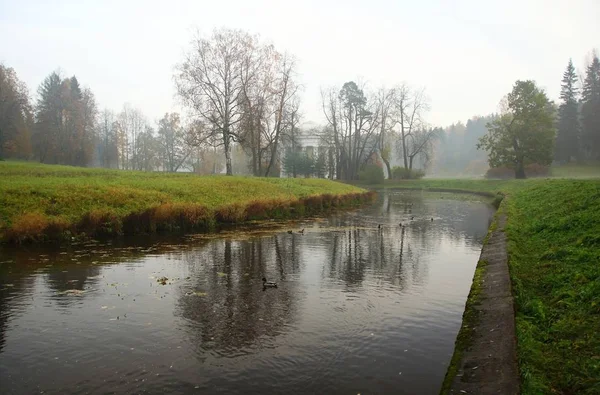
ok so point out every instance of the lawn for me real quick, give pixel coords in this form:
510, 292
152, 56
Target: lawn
553, 231
64, 196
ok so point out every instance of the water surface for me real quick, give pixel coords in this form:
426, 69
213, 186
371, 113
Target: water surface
358, 308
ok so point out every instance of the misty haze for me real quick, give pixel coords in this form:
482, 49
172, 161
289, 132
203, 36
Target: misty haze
309, 198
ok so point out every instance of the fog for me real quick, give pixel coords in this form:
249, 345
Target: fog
135, 107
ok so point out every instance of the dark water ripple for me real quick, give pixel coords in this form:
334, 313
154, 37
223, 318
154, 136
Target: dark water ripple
357, 310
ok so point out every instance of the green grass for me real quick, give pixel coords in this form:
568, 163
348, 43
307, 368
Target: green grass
554, 249
65, 195
553, 231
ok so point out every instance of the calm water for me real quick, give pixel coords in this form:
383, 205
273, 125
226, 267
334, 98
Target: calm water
357, 310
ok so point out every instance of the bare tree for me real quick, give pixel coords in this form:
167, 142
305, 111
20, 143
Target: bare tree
284, 92
410, 104
108, 149
131, 123
386, 99
420, 144
210, 81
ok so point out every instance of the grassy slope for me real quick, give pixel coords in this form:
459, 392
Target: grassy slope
553, 234
69, 192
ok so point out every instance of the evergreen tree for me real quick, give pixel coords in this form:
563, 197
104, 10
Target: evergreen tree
65, 122
567, 139
590, 109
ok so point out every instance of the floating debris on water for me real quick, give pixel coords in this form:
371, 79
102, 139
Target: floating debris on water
162, 280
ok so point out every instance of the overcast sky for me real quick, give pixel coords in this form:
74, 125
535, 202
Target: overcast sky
467, 54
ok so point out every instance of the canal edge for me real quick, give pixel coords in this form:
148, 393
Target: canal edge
485, 354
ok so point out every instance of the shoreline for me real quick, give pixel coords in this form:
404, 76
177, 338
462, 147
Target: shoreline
485, 353
176, 218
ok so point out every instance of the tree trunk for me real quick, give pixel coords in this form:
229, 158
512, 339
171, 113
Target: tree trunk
226, 137
388, 167
520, 169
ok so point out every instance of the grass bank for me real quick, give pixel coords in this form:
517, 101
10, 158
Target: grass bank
553, 231
40, 202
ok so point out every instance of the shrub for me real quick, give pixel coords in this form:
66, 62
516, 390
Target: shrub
501, 173
537, 170
402, 173
372, 174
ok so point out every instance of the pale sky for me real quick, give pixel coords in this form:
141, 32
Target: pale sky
466, 53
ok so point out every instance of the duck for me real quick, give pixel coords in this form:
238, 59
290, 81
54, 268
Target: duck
290, 232
401, 224
412, 218
268, 284
301, 231
432, 218
379, 226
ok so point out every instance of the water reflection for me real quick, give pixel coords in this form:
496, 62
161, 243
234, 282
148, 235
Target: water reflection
368, 301
224, 305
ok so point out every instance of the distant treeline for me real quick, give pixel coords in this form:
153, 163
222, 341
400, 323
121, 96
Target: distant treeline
245, 119
577, 119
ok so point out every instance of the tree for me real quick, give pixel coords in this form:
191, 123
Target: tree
131, 123
419, 144
210, 81
386, 100
567, 138
107, 140
174, 146
409, 107
353, 121
65, 124
524, 132
16, 118
590, 109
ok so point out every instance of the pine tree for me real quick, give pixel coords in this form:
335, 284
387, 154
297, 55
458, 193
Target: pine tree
590, 109
567, 139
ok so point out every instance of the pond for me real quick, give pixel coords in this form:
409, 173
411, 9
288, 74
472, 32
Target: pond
358, 308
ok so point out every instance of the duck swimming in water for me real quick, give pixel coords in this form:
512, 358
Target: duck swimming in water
268, 284
290, 232
301, 231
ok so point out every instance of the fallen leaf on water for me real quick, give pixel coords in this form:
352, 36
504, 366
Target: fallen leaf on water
221, 274
104, 307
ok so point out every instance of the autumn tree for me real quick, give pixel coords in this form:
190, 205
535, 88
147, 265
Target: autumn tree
590, 109
524, 132
174, 141
16, 116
